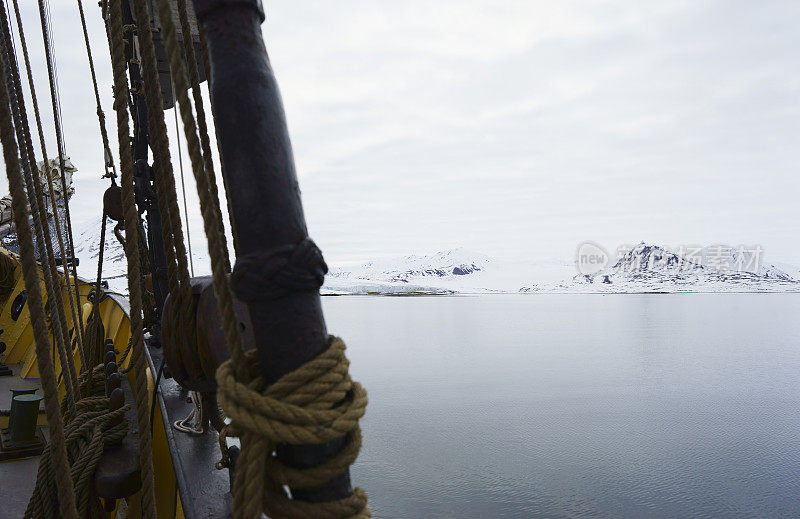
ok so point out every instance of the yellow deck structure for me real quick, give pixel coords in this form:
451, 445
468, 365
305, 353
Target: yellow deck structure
17, 477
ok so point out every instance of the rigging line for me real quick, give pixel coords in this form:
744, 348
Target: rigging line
204, 135
54, 203
183, 183
12, 40
109, 160
39, 210
202, 126
132, 237
65, 489
174, 246
60, 141
52, 49
212, 225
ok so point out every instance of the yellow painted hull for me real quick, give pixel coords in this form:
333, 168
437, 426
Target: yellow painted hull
17, 334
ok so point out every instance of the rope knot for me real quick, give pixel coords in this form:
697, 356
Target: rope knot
316, 403
271, 274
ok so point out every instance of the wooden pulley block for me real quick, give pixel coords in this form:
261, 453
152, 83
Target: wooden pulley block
193, 356
210, 335
112, 203
179, 341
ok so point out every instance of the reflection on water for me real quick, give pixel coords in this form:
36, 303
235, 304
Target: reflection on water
577, 405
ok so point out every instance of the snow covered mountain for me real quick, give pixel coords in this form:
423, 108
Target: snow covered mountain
87, 246
409, 274
643, 268
650, 268
445, 272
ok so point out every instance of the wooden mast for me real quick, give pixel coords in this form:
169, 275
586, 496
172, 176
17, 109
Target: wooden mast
264, 202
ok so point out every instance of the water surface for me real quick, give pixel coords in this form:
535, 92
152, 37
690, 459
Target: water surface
560, 406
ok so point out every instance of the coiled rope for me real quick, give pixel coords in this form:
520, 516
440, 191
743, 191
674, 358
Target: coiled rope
7, 279
316, 403
88, 432
95, 333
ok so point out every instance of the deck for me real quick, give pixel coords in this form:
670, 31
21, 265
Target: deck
17, 477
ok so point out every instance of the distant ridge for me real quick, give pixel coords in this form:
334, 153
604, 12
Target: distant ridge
644, 268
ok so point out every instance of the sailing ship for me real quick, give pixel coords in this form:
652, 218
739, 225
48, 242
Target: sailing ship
118, 406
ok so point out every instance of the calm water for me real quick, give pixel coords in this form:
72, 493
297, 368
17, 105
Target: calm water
577, 405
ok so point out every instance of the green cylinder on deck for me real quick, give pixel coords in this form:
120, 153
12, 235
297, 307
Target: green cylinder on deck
24, 416
16, 392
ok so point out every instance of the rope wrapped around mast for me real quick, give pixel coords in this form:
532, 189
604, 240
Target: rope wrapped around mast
316, 403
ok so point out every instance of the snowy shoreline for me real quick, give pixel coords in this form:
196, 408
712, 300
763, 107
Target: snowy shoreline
645, 269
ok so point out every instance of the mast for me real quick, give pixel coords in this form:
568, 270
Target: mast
264, 202
146, 196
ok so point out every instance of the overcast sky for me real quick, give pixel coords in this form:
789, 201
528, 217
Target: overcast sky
513, 128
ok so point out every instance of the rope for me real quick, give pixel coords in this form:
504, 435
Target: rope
89, 431
144, 259
92, 425
36, 203
57, 220
183, 189
60, 463
207, 68
275, 273
101, 117
94, 334
174, 250
52, 76
194, 81
7, 279
211, 218
132, 239
316, 403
